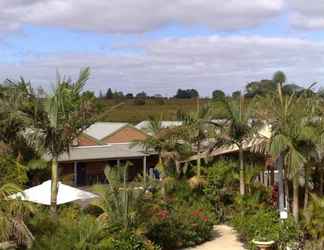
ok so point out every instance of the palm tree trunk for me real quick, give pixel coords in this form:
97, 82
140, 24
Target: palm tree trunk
242, 182
286, 186
321, 181
125, 199
198, 167
296, 197
162, 177
306, 195
54, 186
280, 182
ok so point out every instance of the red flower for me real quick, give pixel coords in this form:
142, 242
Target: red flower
205, 218
163, 214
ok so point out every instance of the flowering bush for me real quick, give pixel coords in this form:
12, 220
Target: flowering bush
180, 226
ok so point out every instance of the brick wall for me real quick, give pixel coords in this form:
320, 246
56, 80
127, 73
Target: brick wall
126, 134
86, 141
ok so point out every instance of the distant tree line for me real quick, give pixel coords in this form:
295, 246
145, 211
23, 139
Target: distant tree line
252, 89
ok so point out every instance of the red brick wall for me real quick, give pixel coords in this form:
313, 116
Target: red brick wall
126, 134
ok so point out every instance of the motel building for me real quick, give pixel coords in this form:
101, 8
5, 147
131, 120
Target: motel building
105, 144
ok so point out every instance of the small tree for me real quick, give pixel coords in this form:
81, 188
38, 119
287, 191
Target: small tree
218, 95
109, 94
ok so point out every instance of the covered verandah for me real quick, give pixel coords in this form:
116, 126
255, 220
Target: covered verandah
84, 166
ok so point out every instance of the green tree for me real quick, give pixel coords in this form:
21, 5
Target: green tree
195, 125
109, 94
218, 95
67, 114
290, 118
237, 130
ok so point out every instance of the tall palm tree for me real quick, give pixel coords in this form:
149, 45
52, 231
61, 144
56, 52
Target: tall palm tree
289, 117
237, 129
66, 115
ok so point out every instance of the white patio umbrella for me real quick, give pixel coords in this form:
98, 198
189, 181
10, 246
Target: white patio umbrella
42, 194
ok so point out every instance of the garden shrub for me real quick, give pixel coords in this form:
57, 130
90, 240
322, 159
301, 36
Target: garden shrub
265, 225
178, 227
221, 188
76, 230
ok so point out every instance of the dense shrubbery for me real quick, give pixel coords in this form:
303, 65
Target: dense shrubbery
75, 230
265, 225
178, 227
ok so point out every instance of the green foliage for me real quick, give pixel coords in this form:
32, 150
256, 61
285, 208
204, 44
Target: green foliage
180, 226
186, 93
260, 88
218, 95
314, 218
120, 202
221, 188
75, 230
12, 171
265, 225
13, 212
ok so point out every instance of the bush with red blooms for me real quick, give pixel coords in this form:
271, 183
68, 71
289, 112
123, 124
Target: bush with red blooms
180, 226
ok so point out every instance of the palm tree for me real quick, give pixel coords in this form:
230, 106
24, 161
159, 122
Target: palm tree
168, 144
290, 117
237, 129
196, 126
66, 115
18, 108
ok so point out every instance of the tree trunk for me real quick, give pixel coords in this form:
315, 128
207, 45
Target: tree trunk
280, 183
306, 187
198, 167
321, 181
242, 177
125, 199
296, 197
54, 187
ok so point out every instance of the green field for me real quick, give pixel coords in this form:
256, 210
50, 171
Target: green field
130, 112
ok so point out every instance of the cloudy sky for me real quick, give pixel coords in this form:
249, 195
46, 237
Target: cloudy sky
161, 45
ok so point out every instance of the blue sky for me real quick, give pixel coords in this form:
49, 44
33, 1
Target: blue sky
162, 45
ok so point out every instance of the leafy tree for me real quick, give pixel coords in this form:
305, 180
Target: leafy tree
218, 95
18, 111
186, 94
141, 95
260, 88
238, 129
109, 94
129, 96
236, 94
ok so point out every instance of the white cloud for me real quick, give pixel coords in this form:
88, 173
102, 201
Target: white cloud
134, 16
205, 63
307, 14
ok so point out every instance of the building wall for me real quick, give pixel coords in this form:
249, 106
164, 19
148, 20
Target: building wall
86, 141
126, 134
